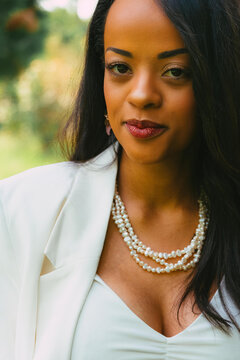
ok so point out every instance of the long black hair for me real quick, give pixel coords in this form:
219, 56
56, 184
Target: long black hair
211, 32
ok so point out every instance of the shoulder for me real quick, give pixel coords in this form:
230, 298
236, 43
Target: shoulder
45, 188
40, 179
33, 198
41, 185
32, 202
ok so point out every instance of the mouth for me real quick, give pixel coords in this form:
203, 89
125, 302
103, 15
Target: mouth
144, 128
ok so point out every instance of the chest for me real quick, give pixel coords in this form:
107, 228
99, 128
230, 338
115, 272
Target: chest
152, 297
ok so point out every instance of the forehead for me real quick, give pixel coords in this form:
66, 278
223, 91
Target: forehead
140, 23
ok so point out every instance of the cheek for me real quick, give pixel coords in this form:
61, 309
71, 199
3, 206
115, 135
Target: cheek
184, 100
183, 116
114, 96
106, 88
109, 94
189, 103
184, 107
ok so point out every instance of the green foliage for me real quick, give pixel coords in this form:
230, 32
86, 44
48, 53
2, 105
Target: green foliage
35, 101
22, 34
69, 27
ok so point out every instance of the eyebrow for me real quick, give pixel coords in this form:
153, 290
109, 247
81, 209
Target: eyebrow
170, 53
163, 55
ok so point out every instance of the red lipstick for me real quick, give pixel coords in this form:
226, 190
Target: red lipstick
144, 128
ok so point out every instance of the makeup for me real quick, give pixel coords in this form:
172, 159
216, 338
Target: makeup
144, 129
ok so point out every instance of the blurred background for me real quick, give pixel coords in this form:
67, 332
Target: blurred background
41, 58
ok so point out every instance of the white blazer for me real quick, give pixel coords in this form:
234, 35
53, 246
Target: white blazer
62, 211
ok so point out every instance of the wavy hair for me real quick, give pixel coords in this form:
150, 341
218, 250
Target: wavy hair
210, 30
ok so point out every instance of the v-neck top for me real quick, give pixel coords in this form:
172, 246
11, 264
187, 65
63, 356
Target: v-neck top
107, 329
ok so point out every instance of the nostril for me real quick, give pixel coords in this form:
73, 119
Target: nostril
150, 105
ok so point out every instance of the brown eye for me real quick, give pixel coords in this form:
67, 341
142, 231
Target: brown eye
118, 68
176, 73
121, 68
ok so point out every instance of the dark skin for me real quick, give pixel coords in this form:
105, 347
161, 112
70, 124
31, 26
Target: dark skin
156, 175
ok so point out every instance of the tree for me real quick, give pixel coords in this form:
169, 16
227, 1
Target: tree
22, 32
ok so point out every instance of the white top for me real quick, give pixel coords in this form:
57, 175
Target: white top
107, 329
51, 211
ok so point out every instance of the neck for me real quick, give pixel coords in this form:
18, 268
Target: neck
166, 184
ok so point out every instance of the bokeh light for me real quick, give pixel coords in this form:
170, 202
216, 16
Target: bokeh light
83, 8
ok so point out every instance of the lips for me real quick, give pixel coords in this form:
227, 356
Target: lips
144, 129
143, 124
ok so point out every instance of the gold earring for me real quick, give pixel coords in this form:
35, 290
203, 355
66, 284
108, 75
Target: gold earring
106, 120
107, 124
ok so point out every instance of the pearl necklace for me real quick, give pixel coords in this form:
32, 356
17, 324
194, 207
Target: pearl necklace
190, 255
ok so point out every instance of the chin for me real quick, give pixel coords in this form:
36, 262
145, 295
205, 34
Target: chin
143, 157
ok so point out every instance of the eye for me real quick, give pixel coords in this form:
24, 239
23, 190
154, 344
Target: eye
118, 68
177, 73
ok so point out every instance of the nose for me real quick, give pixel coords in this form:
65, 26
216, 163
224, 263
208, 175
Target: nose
144, 92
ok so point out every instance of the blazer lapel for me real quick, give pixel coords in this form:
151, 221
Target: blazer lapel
74, 249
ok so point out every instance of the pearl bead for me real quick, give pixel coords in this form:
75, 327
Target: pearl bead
120, 217
178, 253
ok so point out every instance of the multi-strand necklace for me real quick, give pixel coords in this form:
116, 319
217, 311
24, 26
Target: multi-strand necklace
185, 259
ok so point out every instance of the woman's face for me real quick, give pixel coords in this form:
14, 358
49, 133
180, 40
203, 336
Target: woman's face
147, 83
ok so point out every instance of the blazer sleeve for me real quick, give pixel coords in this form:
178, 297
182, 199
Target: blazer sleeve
30, 203
9, 290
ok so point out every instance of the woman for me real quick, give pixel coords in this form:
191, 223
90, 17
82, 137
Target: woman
131, 249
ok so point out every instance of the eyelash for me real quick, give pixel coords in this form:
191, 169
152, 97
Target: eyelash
111, 66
